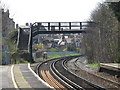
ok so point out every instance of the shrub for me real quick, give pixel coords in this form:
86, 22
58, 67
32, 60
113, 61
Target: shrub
118, 58
71, 47
25, 55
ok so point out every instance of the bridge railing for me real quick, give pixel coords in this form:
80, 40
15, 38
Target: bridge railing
61, 26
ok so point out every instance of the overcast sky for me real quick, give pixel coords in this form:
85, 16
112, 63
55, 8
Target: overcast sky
23, 11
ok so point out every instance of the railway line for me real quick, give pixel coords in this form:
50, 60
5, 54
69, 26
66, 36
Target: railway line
100, 78
56, 74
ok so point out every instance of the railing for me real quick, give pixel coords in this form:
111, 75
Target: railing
61, 26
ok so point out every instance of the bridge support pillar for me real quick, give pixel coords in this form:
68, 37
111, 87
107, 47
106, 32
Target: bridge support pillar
30, 44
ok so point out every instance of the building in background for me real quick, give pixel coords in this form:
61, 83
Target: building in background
6, 23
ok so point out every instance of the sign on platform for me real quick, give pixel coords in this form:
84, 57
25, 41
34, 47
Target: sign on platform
4, 35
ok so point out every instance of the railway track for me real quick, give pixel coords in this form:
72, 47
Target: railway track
43, 70
75, 81
101, 77
56, 74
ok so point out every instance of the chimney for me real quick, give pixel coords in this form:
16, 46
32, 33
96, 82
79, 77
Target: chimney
7, 13
17, 26
30, 24
27, 24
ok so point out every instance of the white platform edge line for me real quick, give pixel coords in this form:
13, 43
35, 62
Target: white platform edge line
39, 77
13, 79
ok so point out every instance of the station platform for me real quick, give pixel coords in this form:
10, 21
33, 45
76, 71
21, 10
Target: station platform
111, 68
25, 78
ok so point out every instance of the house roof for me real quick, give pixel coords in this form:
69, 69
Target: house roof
69, 40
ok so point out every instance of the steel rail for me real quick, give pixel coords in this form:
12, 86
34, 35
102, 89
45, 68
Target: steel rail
74, 85
108, 80
86, 81
63, 78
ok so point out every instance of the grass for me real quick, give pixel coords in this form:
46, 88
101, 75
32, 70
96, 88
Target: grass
18, 62
94, 65
57, 56
72, 54
54, 56
39, 59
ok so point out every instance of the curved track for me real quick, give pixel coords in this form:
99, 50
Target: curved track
72, 79
56, 74
107, 79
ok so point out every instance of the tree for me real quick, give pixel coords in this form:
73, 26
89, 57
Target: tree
11, 41
71, 47
39, 47
101, 42
115, 6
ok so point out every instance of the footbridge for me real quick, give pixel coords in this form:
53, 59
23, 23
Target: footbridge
49, 28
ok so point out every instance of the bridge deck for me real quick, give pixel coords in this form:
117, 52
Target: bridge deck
59, 32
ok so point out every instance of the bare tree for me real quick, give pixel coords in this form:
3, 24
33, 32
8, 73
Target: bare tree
101, 42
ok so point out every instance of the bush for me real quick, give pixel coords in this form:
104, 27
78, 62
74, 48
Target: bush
71, 47
14, 56
118, 58
25, 55
20, 56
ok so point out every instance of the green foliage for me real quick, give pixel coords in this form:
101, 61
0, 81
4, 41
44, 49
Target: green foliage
118, 60
20, 56
71, 47
39, 59
54, 56
18, 62
101, 42
24, 55
11, 41
72, 54
16, 55
57, 56
94, 65
53, 50
12, 36
116, 8
78, 50
38, 47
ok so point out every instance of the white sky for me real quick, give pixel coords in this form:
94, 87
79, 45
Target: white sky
23, 11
